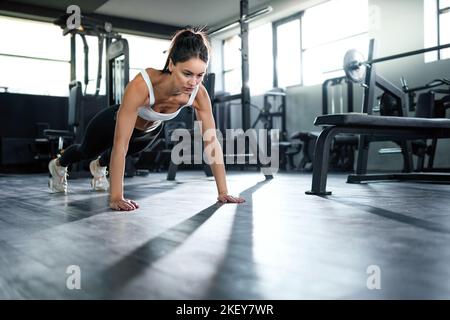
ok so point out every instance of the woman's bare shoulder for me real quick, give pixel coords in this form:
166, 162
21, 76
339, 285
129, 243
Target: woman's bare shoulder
136, 91
202, 99
137, 85
156, 76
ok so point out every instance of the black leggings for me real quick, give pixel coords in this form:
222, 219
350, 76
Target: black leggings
99, 137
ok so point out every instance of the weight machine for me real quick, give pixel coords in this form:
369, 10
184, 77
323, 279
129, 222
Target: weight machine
82, 107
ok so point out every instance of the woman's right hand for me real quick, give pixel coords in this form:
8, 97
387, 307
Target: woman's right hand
123, 204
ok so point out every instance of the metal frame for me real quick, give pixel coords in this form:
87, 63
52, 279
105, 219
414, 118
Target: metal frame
323, 144
332, 82
438, 21
372, 81
387, 132
439, 12
245, 90
115, 50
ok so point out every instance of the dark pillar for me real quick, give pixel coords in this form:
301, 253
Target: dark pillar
245, 91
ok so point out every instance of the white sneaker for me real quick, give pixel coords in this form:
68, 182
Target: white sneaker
100, 181
58, 177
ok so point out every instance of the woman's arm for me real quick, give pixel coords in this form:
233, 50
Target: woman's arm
126, 119
213, 148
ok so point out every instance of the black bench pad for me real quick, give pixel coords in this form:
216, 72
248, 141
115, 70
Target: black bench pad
371, 121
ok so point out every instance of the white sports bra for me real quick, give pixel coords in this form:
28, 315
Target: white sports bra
147, 113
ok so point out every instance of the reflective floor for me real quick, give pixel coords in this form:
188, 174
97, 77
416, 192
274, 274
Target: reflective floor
370, 241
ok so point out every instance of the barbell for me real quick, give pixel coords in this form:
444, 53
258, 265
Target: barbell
355, 66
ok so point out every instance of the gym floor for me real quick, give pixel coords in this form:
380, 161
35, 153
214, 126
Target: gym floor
280, 244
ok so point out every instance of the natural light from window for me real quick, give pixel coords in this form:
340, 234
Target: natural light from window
431, 31
232, 65
22, 41
328, 31
288, 54
260, 59
146, 52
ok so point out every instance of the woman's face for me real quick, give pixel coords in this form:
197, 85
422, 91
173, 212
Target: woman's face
187, 75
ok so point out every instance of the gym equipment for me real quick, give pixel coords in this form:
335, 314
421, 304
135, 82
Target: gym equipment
245, 90
331, 83
222, 112
117, 55
411, 92
244, 19
343, 146
209, 83
118, 70
117, 77
249, 151
390, 105
372, 81
274, 110
394, 102
410, 128
384, 127
356, 68
267, 116
158, 155
427, 106
59, 139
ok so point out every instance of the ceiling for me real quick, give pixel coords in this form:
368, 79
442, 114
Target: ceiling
177, 12
212, 13
158, 18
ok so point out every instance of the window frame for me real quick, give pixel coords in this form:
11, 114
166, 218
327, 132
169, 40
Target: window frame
60, 62
439, 12
275, 25
223, 63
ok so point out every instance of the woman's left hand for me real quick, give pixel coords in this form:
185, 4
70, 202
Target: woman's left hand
225, 198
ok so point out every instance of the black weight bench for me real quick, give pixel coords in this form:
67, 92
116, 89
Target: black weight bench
406, 128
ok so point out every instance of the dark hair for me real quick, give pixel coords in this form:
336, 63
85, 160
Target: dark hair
186, 44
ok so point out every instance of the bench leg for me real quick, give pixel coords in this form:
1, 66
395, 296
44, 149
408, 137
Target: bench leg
363, 155
432, 153
408, 156
321, 161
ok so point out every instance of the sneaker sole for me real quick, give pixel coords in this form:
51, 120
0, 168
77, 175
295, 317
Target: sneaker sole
91, 164
52, 174
98, 188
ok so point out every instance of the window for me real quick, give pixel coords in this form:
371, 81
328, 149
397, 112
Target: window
328, 31
232, 77
437, 28
288, 52
260, 61
146, 52
444, 27
309, 47
35, 58
92, 42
